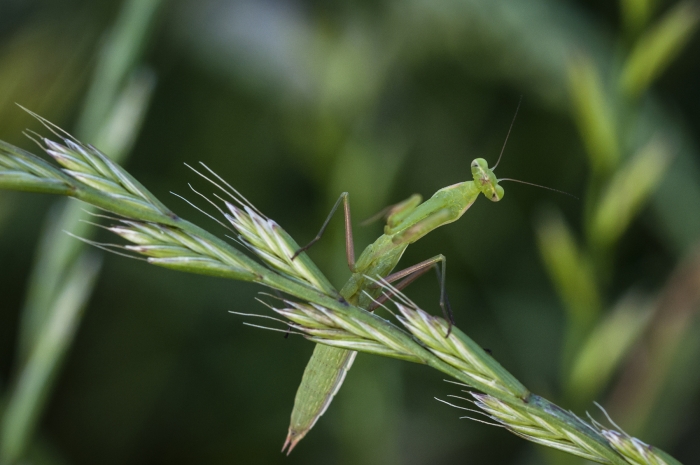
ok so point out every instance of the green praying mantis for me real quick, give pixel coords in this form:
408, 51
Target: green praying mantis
406, 223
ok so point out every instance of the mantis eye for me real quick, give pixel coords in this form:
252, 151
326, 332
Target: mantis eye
496, 194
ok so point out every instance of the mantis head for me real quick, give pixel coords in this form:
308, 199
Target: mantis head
486, 181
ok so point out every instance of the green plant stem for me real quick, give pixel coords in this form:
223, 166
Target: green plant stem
250, 270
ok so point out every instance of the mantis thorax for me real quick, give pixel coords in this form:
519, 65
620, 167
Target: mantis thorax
486, 181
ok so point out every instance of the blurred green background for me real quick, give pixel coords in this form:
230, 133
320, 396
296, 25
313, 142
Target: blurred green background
294, 102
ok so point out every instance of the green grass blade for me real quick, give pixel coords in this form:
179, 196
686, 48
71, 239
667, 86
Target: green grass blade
112, 116
33, 384
120, 55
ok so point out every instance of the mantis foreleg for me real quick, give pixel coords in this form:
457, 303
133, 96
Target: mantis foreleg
424, 226
395, 213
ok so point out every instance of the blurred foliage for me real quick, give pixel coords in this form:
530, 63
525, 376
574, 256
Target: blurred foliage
295, 102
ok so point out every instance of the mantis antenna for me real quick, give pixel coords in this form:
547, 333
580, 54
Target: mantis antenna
508, 135
537, 185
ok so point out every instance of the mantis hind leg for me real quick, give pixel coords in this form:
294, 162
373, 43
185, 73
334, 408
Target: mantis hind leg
410, 274
349, 242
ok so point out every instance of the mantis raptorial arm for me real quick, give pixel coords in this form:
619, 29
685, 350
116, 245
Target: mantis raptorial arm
422, 227
394, 213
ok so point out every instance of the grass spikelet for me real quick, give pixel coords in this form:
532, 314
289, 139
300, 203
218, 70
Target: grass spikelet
265, 237
633, 450
456, 349
453, 346
325, 326
275, 247
24, 171
90, 166
536, 428
174, 248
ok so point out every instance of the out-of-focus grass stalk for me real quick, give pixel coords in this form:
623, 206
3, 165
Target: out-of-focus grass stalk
657, 48
120, 110
622, 199
120, 56
623, 176
643, 378
627, 192
594, 112
636, 14
574, 279
111, 118
606, 346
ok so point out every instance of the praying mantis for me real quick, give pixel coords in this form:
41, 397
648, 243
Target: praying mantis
175, 243
406, 223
